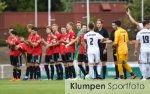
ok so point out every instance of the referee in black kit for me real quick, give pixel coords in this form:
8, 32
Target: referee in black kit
102, 46
114, 53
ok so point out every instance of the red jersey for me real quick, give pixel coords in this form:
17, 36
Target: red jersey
23, 47
71, 36
62, 45
56, 49
14, 41
81, 49
49, 51
29, 48
38, 49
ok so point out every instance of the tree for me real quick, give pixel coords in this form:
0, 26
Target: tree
28, 5
2, 6
135, 7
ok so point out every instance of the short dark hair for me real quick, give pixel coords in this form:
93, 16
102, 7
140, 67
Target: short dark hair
91, 25
100, 20
14, 32
145, 22
11, 28
34, 28
117, 22
146, 18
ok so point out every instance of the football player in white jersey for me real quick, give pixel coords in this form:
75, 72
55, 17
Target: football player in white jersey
143, 37
93, 49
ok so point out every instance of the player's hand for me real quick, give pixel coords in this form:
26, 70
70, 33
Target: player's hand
135, 53
22, 39
67, 45
47, 46
42, 40
114, 46
128, 11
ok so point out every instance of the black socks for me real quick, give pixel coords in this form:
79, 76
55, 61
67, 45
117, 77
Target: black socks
104, 71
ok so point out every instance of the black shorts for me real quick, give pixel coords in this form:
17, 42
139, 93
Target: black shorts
114, 56
69, 57
57, 57
63, 58
85, 58
29, 58
49, 59
81, 58
11, 59
36, 59
17, 61
103, 57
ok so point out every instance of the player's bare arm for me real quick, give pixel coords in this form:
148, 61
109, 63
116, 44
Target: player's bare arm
44, 42
131, 18
136, 48
72, 42
106, 40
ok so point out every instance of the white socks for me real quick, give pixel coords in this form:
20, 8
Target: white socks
91, 71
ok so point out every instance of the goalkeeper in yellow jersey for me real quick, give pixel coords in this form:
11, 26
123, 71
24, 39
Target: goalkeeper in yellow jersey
121, 45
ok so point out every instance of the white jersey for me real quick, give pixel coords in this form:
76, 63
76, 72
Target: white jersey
92, 41
144, 37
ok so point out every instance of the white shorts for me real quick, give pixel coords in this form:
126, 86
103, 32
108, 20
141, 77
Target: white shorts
94, 57
144, 57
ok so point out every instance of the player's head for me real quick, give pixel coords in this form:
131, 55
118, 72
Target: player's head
114, 26
48, 29
99, 23
146, 18
117, 23
69, 26
146, 24
79, 25
34, 30
91, 26
13, 33
10, 29
63, 30
54, 28
84, 28
29, 27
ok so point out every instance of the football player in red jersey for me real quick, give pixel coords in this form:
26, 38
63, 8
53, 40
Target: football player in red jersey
63, 49
15, 55
29, 50
82, 57
56, 51
36, 44
70, 50
82, 48
49, 60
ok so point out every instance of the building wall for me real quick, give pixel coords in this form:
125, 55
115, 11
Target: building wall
9, 19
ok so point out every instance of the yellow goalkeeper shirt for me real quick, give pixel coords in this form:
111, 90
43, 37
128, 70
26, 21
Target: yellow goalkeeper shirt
121, 40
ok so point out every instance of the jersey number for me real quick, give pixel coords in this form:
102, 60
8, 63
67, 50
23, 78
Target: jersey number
145, 39
91, 41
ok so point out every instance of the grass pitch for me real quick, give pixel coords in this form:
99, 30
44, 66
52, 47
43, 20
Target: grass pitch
32, 87
58, 87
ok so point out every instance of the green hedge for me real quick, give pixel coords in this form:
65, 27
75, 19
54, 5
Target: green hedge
2, 43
